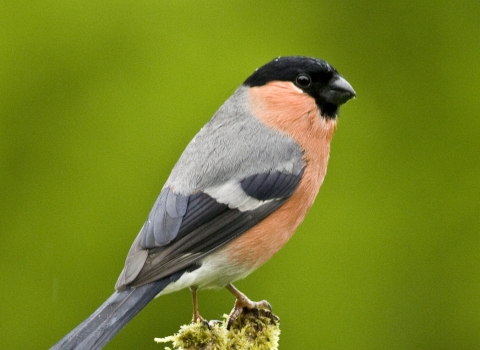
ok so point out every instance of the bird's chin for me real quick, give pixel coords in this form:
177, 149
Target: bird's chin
329, 110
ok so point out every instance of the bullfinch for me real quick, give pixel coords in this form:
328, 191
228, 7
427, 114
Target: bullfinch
234, 198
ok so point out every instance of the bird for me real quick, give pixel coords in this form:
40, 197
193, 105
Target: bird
237, 194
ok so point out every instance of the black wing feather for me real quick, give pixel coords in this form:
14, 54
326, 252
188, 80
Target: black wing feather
271, 185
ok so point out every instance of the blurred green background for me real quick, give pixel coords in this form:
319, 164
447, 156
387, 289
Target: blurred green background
98, 100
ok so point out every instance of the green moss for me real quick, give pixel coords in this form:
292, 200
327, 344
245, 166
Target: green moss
253, 330
197, 336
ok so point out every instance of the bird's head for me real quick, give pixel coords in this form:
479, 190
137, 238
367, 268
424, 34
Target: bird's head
315, 77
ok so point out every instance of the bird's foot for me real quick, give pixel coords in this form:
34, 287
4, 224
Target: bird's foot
197, 318
243, 304
210, 324
250, 317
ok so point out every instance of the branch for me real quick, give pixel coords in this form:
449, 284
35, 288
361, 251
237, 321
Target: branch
252, 330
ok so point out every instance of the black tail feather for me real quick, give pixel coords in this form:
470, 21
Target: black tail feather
98, 329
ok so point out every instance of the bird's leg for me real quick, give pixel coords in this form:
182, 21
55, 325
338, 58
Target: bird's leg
196, 314
242, 302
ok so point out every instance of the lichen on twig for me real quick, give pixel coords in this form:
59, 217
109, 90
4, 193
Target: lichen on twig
252, 330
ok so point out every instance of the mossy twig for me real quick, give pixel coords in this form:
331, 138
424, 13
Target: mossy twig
252, 330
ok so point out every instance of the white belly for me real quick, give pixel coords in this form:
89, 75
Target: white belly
217, 271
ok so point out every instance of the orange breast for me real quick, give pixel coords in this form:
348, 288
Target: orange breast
287, 109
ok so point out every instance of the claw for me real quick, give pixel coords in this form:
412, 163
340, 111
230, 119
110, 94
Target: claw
213, 323
267, 305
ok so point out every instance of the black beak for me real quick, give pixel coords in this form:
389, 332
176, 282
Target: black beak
338, 91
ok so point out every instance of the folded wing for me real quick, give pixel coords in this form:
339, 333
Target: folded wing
182, 229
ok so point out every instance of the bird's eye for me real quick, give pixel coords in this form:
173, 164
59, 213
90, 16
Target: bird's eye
303, 80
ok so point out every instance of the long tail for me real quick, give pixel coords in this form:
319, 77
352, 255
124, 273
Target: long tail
98, 329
